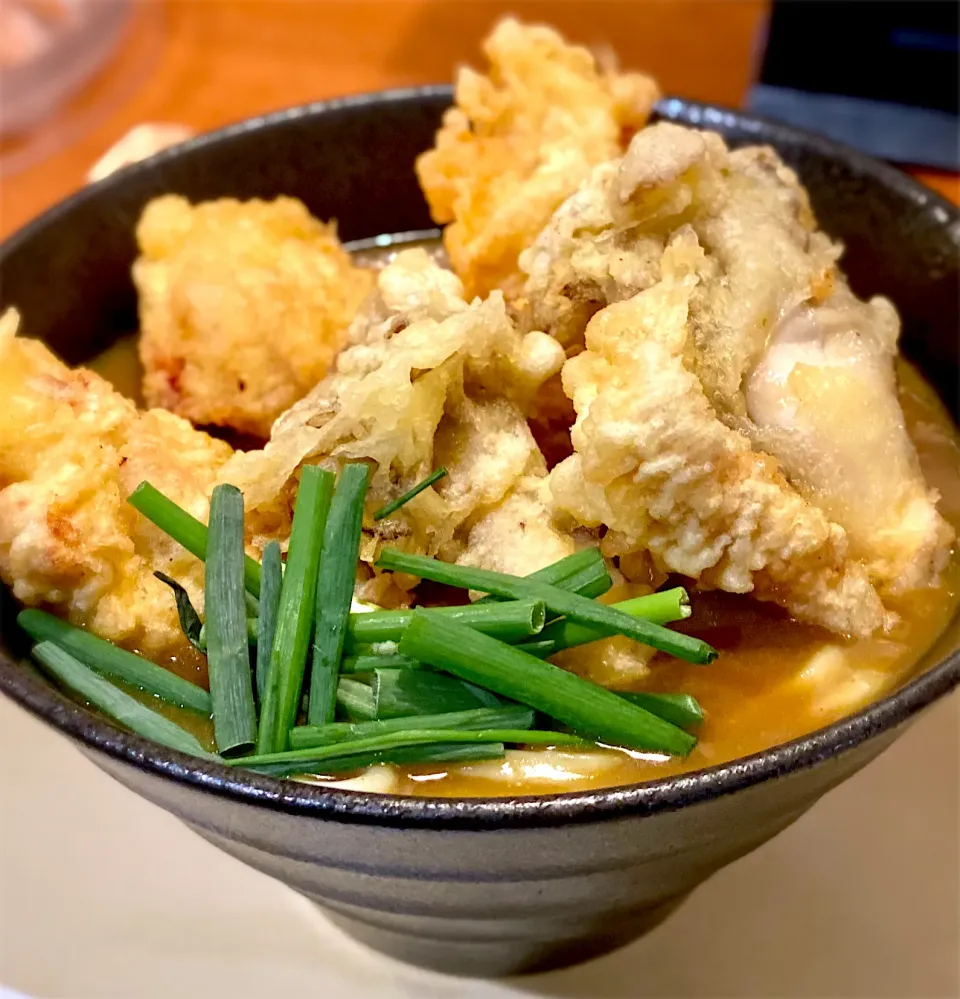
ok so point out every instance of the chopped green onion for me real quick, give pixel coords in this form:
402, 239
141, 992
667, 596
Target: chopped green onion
509, 621
680, 709
590, 583
228, 653
437, 752
418, 737
184, 528
111, 660
271, 580
368, 663
513, 717
539, 648
586, 707
251, 634
281, 698
355, 700
190, 623
114, 702
337, 576
395, 505
583, 572
658, 608
400, 693
571, 605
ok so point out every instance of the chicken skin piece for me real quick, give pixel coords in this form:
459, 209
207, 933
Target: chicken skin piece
655, 465
518, 141
243, 307
785, 352
71, 450
823, 399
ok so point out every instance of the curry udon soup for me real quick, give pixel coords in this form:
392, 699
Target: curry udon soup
613, 386
774, 680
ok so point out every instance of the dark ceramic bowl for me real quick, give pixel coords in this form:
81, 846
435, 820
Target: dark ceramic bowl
482, 887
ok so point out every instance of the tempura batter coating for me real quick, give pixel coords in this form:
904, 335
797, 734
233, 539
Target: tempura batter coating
750, 214
521, 534
243, 307
654, 464
71, 451
427, 380
785, 352
520, 140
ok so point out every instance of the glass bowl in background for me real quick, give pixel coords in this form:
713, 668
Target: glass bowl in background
63, 65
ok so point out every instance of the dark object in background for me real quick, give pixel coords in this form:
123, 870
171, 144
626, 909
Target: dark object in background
881, 76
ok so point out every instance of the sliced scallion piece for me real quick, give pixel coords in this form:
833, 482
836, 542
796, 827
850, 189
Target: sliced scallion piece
337, 576
509, 621
184, 528
437, 752
395, 505
587, 708
411, 737
355, 699
271, 580
111, 660
540, 649
583, 572
680, 709
571, 605
400, 693
511, 716
281, 697
228, 652
368, 663
252, 627
657, 608
114, 702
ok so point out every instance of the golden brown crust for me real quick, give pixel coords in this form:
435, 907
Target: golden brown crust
426, 380
518, 141
71, 451
654, 464
243, 307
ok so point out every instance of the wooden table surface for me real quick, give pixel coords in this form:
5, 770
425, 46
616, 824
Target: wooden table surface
204, 63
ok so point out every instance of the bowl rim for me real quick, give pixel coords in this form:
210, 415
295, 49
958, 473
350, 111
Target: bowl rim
25, 685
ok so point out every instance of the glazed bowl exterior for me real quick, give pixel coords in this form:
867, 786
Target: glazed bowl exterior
473, 886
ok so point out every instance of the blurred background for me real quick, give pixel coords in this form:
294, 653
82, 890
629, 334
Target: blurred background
77, 75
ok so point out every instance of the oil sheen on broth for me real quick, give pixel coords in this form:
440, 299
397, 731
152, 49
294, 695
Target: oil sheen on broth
775, 679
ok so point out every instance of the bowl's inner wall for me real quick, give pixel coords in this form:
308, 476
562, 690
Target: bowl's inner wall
69, 272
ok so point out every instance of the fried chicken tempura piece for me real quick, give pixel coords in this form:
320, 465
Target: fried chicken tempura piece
71, 450
785, 352
655, 465
427, 380
243, 307
519, 141
750, 214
